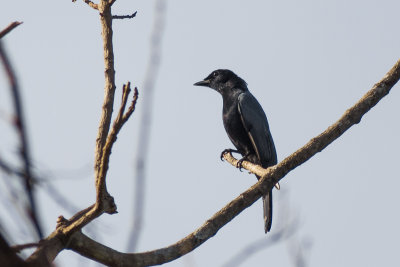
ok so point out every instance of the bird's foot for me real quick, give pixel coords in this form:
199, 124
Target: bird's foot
239, 164
228, 150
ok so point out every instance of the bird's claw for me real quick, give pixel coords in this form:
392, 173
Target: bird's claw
278, 186
239, 164
224, 152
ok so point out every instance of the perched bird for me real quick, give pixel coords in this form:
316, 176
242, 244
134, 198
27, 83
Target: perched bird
246, 125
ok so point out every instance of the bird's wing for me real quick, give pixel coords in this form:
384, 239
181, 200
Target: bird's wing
255, 122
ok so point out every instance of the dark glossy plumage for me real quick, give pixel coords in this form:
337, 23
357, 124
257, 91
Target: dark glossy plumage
246, 125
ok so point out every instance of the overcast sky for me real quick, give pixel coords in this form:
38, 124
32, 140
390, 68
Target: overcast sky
305, 61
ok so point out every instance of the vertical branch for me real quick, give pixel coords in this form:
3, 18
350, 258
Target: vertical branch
109, 90
19, 124
144, 134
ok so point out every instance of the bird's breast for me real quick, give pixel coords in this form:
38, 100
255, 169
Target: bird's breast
235, 129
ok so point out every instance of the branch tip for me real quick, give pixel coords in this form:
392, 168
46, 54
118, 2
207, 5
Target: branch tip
125, 16
9, 28
89, 3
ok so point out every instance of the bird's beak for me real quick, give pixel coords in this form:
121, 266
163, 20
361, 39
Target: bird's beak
203, 83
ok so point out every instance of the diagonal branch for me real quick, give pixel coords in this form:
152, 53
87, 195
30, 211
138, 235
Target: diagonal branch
90, 3
24, 150
98, 252
6, 167
352, 116
56, 242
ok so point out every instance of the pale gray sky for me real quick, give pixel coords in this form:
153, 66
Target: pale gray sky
305, 61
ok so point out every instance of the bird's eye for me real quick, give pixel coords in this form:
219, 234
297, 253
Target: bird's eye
215, 74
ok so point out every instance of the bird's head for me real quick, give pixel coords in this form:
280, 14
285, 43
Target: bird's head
222, 80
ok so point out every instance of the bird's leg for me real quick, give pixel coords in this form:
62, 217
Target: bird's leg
228, 150
240, 161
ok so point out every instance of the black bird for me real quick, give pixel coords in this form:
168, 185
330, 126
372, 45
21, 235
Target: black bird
246, 125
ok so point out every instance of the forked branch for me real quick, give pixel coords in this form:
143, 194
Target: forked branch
56, 242
20, 127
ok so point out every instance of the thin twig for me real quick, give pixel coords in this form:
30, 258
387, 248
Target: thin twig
117, 125
125, 16
112, 137
122, 116
6, 167
19, 124
90, 3
132, 107
9, 28
65, 227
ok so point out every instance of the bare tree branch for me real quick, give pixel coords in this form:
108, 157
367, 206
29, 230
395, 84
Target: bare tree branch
98, 252
65, 228
112, 136
90, 3
19, 124
103, 200
68, 234
122, 117
9, 28
48, 249
56, 241
125, 16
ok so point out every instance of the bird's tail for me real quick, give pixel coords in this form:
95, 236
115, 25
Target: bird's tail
267, 205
